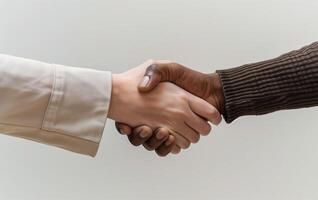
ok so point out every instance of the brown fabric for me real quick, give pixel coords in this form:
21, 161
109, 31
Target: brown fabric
287, 82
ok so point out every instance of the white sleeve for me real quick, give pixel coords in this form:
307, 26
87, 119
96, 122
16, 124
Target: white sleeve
61, 106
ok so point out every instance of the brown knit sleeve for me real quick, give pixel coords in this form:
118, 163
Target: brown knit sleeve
287, 82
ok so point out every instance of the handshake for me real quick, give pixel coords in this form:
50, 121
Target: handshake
161, 105
168, 117
165, 106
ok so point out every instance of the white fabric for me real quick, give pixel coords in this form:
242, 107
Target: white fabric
53, 104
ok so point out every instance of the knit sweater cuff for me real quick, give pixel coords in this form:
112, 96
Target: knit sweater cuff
286, 82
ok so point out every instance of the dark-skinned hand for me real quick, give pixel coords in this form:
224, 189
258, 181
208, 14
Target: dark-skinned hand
205, 86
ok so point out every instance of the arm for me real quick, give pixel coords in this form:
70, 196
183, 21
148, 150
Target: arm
67, 107
183, 114
53, 104
286, 82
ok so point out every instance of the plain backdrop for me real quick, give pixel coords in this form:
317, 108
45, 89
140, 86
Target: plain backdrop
265, 157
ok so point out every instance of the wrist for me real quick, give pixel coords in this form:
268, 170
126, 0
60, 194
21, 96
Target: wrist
218, 92
115, 102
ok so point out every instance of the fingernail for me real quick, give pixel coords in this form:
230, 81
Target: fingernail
144, 81
218, 122
143, 134
168, 142
160, 135
124, 131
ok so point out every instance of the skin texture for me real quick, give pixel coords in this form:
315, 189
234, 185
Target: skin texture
183, 115
205, 86
144, 135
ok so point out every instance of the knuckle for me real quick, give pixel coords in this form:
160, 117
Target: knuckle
163, 131
143, 128
152, 67
161, 154
149, 147
182, 99
133, 142
212, 113
161, 134
184, 96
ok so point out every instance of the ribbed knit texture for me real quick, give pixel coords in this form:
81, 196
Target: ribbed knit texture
287, 82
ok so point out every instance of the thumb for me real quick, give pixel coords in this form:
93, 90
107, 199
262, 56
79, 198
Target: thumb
204, 109
152, 77
175, 73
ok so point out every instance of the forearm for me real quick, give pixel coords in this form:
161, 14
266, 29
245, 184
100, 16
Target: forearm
53, 104
287, 82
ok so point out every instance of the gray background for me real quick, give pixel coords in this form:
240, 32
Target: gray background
269, 157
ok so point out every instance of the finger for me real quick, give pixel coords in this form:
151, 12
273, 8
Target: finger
151, 79
160, 136
165, 148
140, 135
123, 129
188, 133
204, 109
198, 124
176, 149
159, 72
181, 141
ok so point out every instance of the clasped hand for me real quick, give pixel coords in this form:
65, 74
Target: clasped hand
165, 117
